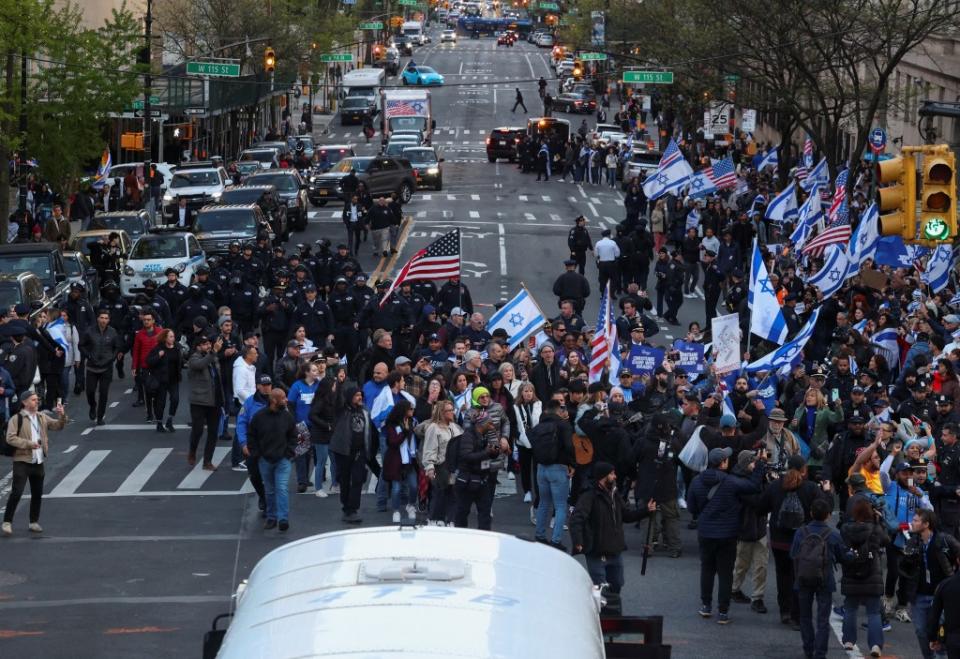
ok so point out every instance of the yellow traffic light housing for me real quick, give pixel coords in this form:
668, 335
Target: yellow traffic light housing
899, 200
938, 208
269, 60
577, 70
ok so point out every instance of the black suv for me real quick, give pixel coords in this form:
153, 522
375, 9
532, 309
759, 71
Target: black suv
353, 109
292, 190
266, 197
42, 259
216, 226
381, 174
503, 142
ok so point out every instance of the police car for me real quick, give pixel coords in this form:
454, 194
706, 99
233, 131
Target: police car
156, 251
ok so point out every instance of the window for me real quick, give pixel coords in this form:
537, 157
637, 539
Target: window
193, 246
388, 165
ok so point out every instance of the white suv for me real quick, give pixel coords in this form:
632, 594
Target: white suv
199, 183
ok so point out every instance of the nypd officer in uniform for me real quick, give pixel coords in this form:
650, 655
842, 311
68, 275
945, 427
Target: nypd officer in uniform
243, 300
344, 309
195, 305
579, 241
314, 314
712, 285
737, 292
211, 290
946, 412
173, 291
946, 490
249, 266
159, 304
573, 286
790, 315
274, 312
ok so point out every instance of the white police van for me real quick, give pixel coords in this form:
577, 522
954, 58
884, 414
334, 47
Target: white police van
421, 592
156, 251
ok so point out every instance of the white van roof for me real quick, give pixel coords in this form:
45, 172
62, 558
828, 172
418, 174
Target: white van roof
367, 76
424, 592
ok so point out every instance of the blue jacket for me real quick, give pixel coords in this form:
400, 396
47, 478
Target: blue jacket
251, 406
300, 397
903, 503
720, 516
838, 551
917, 349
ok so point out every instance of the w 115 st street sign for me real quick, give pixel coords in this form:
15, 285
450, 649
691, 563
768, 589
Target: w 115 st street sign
336, 57
586, 57
222, 69
650, 77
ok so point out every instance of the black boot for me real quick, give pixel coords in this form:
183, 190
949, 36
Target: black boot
138, 403
120, 370
169, 426
160, 427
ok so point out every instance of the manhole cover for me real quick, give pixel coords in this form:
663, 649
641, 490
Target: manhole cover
11, 579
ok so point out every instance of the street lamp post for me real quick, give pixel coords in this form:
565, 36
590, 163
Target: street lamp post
147, 106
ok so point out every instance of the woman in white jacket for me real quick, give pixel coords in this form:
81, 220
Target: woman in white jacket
438, 434
510, 381
71, 357
527, 409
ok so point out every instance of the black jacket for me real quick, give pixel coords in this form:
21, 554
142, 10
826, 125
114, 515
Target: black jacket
611, 443
565, 434
772, 499
272, 434
167, 369
597, 522
863, 537
473, 451
323, 411
100, 348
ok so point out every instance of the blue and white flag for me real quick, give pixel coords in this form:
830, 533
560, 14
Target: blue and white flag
865, 238
519, 318
893, 252
784, 206
809, 214
819, 175
767, 391
770, 159
672, 173
831, 276
57, 330
937, 273
766, 317
693, 219
382, 405
885, 341
789, 353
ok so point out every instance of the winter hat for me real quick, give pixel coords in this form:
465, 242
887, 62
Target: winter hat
601, 470
479, 391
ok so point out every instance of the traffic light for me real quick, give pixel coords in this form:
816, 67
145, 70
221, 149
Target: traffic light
269, 60
900, 197
377, 51
938, 191
577, 70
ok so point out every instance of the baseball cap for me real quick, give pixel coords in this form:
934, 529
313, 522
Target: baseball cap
293, 343
433, 337
401, 360
728, 421
264, 379
21, 309
902, 466
457, 311
624, 372
718, 455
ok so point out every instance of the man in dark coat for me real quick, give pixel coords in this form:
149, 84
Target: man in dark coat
572, 285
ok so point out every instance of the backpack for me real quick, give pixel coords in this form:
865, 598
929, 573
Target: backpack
451, 456
812, 562
545, 442
861, 566
791, 515
7, 449
582, 449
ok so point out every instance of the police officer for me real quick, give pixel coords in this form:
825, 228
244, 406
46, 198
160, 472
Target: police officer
945, 493
712, 285
195, 305
314, 315
426, 289
918, 405
412, 300
249, 266
243, 299
211, 291
945, 413
276, 263
578, 242
790, 315
262, 249
274, 312
393, 315
322, 275
675, 275
361, 291
737, 292
81, 315
454, 294
233, 255
342, 257
572, 285
159, 304
219, 274
345, 308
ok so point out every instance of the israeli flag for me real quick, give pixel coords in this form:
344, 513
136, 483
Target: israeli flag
770, 159
519, 318
613, 376
810, 213
865, 238
885, 341
831, 276
937, 273
784, 205
693, 219
818, 175
672, 173
57, 331
789, 353
766, 317
382, 405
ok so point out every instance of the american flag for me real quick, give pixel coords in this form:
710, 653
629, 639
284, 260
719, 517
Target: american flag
838, 207
404, 108
807, 160
831, 235
438, 260
670, 156
604, 339
722, 174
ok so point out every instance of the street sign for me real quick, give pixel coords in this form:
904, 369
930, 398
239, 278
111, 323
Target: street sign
195, 111
586, 57
372, 25
408, 3
878, 140
733, 77
336, 57
549, 6
153, 113
748, 120
138, 104
651, 77
223, 69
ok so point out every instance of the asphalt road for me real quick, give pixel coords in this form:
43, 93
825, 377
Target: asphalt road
140, 551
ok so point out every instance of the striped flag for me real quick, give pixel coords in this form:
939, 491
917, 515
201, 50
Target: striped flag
719, 176
819, 174
807, 160
604, 341
834, 235
672, 173
438, 260
838, 207
520, 318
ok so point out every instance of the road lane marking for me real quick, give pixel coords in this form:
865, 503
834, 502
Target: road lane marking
529, 216
530, 64
451, 197
593, 210
555, 217
128, 391
475, 197
474, 214
87, 431
71, 448
198, 475
141, 474
503, 250
545, 197
78, 474
572, 200
523, 197
582, 193
114, 403
427, 197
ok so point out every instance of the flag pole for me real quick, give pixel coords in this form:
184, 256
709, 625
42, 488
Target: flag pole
460, 269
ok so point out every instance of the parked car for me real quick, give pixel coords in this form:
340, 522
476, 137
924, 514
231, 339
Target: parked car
24, 288
42, 259
153, 253
216, 226
292, 190
272, 207
381, 175
134, 222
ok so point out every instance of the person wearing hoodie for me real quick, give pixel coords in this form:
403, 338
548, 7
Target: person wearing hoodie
354, 441
753, 554
715, 497
862, 582
655, 456
251, 406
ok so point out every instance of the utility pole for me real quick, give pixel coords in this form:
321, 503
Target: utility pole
22, 199
147, 108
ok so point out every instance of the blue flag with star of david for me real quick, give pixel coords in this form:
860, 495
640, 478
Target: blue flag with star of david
519, 318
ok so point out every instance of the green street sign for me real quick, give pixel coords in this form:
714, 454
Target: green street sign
586, 57
549, 6
336, 57
138, 104
222, 69
408, 3
731, 78
651, 77
936, 229
372, 25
